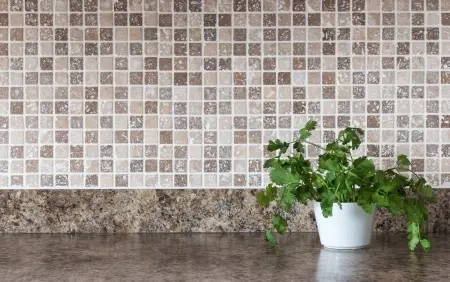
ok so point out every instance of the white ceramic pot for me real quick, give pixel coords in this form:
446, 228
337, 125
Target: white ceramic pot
348, 228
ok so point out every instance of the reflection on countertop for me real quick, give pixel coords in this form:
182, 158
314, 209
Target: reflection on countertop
215, 257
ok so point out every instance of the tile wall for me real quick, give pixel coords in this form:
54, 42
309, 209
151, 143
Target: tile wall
185, 93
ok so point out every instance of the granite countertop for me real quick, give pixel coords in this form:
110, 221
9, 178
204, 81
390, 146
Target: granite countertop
214, 257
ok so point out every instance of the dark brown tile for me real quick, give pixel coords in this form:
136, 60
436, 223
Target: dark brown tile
343, 5
120, 5
135, 19
418, 33
239, 5
403, 48
329, 5
314, 19
224, 19
45, 19
432, 5
417, 5
165, 20
76, 19
90, 5
343, 34
298, 19
32, 5
120, 19
195, 6
433, 48
269, 78
254, 5
284, 78
298, 5
180, 5
329, 48
209, 20
328, 78
358, 19
417, 19
445, 19
270, 34
432, 33
284, 34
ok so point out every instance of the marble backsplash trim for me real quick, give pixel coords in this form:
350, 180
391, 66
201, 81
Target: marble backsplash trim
184, 210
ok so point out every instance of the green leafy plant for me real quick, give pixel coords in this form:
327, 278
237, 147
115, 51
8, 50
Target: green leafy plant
340, 178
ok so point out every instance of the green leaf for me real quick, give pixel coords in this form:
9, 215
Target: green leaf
273, 162
426, 245
380, 200
298, 146
270, 238
287, 200
414, 235
368, 208
403, 160
282, 176
262, 199
271, 192
305, 132
327, 205
277, 145
279, 223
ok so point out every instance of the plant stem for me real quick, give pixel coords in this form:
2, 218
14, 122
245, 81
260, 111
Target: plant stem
407, 169
315, 145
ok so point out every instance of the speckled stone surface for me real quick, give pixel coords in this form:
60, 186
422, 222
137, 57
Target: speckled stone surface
215, 257
129, 211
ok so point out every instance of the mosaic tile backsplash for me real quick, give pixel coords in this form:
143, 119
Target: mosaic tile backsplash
185, 93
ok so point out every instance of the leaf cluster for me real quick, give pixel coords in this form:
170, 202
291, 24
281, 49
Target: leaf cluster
340, 178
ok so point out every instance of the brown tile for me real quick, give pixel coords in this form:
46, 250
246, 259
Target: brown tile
432, 48
445, 77
359, 19
270, 19
195, 6
417, 19
225, 64
417, 5
90, 5
284, 78
328, 78
388, 19
269, 78
224, 19
120, 19
314, 19
284, 34
298, 5
195, 78
165, 20
432, 5
46, 151
432, 33
120, 5
403, 48
45, 19
239, 49
343, 34
329, 5
298, 19
298, 63
240, 78
328, 48
445, 19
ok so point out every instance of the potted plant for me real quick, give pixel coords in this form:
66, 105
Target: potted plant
345, 189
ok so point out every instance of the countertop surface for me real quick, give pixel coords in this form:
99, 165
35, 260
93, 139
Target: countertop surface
215, 257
